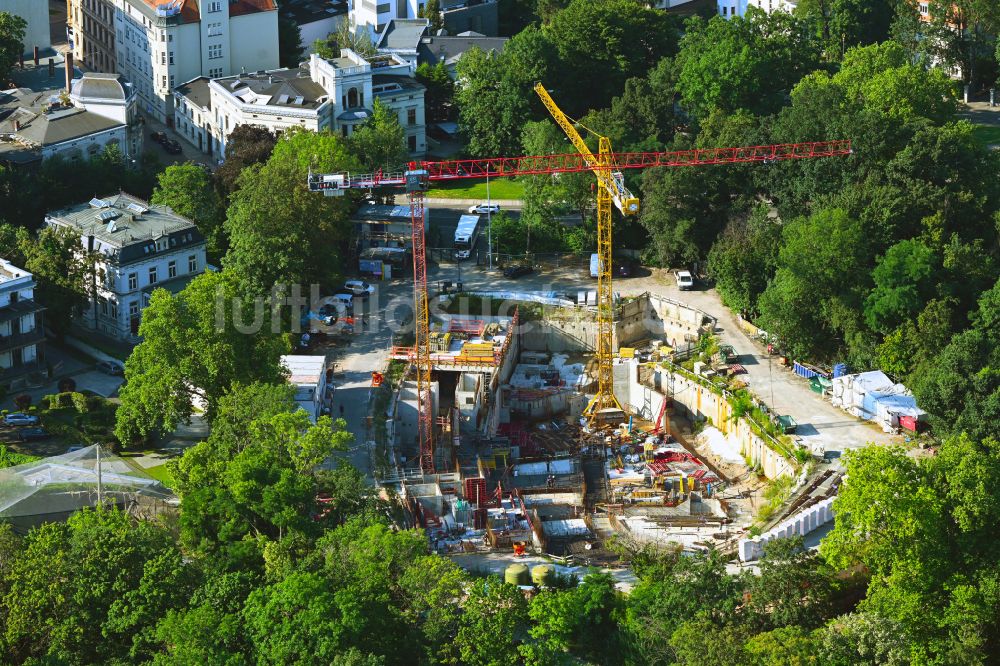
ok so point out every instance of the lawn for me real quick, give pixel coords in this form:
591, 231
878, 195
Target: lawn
501, 188
988, 134
161, 473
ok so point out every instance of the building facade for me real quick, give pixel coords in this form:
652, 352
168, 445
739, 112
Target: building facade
456, 15
334, 95
732, 8
22, 335
140, 248
75, 123
36, 15
91, 34
158, 44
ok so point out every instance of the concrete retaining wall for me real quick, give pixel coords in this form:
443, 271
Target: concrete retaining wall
644, 318
800, 524
699, 401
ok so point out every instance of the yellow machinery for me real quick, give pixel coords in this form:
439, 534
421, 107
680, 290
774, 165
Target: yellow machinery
610, 188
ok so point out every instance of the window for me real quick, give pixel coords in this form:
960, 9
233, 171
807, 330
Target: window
411, 116
170, 37
215, 7
163, 36
163, 57
171, 80
104, 306
214, 51
114, 310
411, 143
725, 11
133, 281
924, 11
171, 57
164, 84
172, 269
152, 275
192, 263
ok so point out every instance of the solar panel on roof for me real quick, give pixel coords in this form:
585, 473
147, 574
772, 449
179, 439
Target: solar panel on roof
299, 100
98, 203
283, 99
106, 215
136, 208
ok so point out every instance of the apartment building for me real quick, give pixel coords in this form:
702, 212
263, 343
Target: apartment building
456, 15
322, 94
141, 247
733, 8
157, 44
22, 335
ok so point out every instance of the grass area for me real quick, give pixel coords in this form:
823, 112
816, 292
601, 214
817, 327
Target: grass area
161, 473
501, 188
988, 134
776, 494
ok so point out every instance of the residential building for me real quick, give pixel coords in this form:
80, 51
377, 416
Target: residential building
36, 14
316, 19
91, 33
733, 8
308, 375
75, 122
157, 44
321, 94
141, 247
22, 335
411, 40
456, 15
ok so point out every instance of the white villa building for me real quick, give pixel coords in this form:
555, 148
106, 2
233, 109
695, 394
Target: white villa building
142, 247
22, 338
321, 94
732, 8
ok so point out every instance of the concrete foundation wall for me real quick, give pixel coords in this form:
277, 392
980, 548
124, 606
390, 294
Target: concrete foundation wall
697, 402
800, 524
647, 317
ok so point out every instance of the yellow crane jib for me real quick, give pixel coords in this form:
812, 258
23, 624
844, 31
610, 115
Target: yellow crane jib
602, 164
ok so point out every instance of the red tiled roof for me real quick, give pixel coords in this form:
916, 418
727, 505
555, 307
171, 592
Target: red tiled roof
189, 9
241, 7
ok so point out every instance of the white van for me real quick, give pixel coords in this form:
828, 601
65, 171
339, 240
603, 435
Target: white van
595, 262
684, 280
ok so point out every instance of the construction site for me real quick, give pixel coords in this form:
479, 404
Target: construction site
554, 431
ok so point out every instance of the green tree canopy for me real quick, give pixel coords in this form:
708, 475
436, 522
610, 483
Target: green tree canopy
195, 345
280, 232
380, 143
189, 190
12, 30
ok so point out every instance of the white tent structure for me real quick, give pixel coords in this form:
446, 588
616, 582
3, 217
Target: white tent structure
53, 488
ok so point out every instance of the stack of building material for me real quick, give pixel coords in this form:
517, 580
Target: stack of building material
476, 351
440, 342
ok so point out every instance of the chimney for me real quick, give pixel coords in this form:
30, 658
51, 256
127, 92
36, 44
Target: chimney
17, 125
69, 71
35, 52
52, 67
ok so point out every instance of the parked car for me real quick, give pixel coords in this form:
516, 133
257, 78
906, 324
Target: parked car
622, 267
110, 368
359, 288
517, 270
485, 208
20, 419
32, 434
158, 137
172, 146
684, 280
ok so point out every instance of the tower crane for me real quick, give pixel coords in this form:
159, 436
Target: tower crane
417, 176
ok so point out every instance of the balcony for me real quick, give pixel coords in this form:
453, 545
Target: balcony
16, 340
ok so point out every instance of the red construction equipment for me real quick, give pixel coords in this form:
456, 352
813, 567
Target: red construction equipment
418, 175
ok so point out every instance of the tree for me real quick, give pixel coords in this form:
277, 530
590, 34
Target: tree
380, 143
793, 589
432, 12
279, 231
842, 24
195, 346
903, 282
865, 639
495, 613
440, 90
246, 145
290, 48
66, 276
748, 62
12, 30
91, 589
817, 287
787, 646
744, 258
188, 189
601, 44
345, 37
